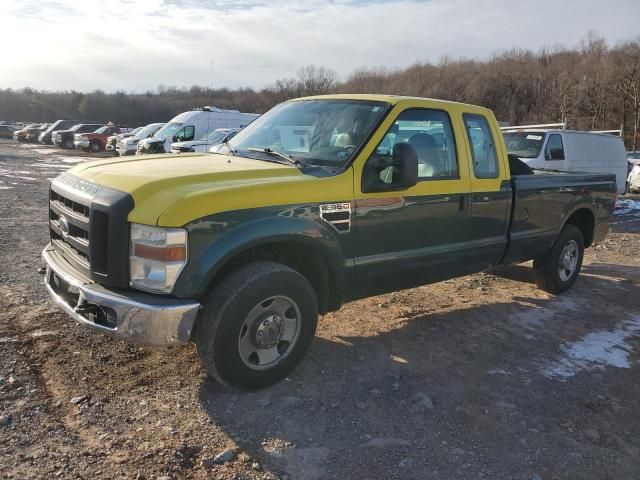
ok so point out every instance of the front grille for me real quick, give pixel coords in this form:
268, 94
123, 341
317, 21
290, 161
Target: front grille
69, 224
89, 228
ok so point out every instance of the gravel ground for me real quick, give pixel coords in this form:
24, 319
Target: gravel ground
484, 376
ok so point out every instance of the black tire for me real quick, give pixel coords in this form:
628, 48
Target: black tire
550, 274
95, 146
67, 144
226, 310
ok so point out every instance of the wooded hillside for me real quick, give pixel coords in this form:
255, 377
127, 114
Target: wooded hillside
593, 86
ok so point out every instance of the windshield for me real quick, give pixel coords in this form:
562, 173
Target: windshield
322, 132
102, 130
168, 131
76, 127
216, 136
524, 144
149, 130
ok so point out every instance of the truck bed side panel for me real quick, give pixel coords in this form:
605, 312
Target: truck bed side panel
543, 202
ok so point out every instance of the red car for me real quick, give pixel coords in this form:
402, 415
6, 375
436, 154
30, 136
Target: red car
97, 141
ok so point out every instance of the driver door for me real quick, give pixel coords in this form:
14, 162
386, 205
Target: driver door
415, 235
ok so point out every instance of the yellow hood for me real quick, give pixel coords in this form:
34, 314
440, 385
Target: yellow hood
173, 190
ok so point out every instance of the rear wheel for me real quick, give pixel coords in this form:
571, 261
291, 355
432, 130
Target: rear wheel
558, 271
257, 325
68, 144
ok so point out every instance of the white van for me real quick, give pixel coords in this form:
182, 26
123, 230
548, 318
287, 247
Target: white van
193, 124
569, 150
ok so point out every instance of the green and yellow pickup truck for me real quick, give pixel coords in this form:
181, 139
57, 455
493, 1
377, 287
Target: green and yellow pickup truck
320, 201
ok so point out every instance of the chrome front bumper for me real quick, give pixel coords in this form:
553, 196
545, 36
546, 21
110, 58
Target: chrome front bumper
81, 143
133, 316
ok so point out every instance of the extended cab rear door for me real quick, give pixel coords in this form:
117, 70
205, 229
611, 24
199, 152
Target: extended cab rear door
490, 187
415, 235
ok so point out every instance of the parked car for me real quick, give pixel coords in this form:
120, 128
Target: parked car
128, 145
112, 141
21, 134
216, 137
633, 179
64, 138
45, 136
239, 252
569, 150
34, 133
97, 141
191, 125
7, 131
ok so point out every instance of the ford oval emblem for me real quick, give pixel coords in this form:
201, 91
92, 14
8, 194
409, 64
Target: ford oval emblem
64, 224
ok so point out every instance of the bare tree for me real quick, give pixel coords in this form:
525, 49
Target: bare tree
314, 80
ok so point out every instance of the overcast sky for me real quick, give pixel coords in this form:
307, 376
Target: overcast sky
136, 45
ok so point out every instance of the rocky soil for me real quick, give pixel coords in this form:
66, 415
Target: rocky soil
480, 377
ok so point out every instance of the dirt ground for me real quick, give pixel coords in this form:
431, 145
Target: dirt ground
484, 376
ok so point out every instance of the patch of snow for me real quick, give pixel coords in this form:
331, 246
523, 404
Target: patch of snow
5, 188
44, 151
535, 316
75, 159
49, 165
627, 206
597, 350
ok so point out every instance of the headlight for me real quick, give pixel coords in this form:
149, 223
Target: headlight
157, 257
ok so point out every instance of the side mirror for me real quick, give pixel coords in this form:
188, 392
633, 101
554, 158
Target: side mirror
175, 138
399, 172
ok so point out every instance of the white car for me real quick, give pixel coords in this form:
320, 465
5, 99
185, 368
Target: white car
633, 180
219, 135
127, 146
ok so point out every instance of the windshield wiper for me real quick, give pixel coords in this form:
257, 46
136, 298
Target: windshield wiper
273, 153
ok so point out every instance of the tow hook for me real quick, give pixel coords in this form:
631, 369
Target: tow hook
87, 308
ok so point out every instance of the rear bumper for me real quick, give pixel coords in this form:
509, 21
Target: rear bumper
133, 316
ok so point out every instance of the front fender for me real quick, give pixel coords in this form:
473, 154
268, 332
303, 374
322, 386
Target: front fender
215, 240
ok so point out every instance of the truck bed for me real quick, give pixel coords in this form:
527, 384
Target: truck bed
543, 201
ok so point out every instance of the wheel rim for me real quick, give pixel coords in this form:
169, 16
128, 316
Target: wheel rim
568, 261
269, 332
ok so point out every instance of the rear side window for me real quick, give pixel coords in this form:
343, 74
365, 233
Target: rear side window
554, 149
483, 147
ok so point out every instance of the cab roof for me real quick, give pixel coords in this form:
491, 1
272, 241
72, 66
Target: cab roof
394, 100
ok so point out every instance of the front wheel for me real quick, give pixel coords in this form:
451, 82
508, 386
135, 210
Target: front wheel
558, 271
256, 326
95, 146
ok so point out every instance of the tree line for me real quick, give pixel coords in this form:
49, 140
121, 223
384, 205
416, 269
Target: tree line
593, 86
